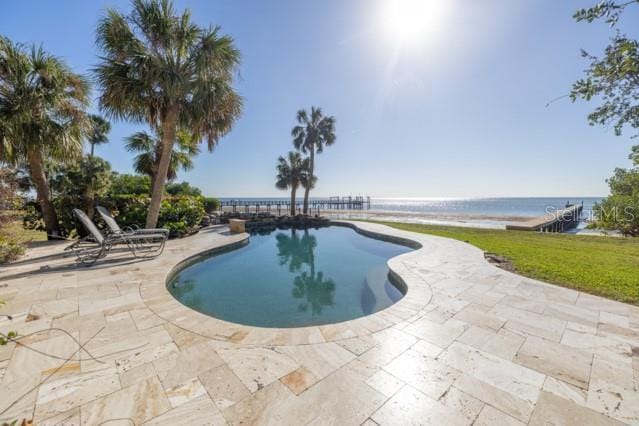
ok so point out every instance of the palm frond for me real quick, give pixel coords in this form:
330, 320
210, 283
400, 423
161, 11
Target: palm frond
42, 105
156, 61
144, 163
148, 146
293, 171
139, 142
314, 131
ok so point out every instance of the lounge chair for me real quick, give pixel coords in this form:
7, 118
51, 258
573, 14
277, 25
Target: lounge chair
115, 228
95, 245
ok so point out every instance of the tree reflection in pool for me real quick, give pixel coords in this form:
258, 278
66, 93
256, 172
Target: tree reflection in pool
296, 251
293, 278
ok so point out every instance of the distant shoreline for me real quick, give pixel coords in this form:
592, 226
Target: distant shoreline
458, 219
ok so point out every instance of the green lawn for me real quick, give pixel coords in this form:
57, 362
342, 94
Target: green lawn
606, 266
16, 232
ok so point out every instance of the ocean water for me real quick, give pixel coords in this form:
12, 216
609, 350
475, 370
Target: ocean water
479, 209
505, 206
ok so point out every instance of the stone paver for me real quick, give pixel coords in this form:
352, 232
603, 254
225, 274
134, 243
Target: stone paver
468, 344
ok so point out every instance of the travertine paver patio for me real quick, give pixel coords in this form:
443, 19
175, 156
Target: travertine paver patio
469, 344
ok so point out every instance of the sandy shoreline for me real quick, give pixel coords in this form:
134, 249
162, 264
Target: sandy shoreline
464, 220
475, 221
456, 219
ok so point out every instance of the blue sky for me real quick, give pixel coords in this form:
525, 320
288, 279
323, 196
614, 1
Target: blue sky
456, 110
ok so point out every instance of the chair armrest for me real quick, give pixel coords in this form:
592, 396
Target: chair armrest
152, 231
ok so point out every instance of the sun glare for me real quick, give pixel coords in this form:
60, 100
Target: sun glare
412, 21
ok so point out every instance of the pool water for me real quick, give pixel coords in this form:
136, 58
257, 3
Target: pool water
293, 278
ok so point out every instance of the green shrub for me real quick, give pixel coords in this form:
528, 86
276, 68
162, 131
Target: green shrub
122, 184
211, 204
180, 214
129, 209
177, 214
9, 250
182, 188
620, 211
126, 196
32, 218
77, 185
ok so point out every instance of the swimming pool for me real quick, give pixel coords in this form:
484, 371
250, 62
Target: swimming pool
293, 278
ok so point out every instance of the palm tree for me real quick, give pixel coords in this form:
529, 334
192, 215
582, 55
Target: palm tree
98, 132
149, 148
311, 135
158, 67
293, 173
99, 129
42, 116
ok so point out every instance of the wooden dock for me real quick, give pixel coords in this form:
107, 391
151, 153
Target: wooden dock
280, 207
559, 221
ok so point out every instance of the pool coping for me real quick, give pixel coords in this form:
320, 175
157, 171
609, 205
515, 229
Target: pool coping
157, 298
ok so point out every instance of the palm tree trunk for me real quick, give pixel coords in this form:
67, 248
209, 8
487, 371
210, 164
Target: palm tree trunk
153, 175
307, 189
293, 191
89, 201
92, 147
39, 178
157, 190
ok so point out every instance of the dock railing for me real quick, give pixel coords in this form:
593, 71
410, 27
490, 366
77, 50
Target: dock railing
280, 207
